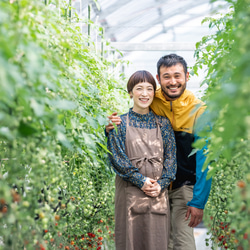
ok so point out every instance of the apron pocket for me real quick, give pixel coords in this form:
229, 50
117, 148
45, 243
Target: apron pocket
160, 204
137, 201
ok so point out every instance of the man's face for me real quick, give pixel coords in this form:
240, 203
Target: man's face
173, 81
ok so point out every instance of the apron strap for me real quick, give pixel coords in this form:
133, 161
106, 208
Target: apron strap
158, 126
127, 122
149, 159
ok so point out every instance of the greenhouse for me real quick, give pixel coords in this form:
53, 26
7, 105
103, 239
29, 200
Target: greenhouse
65, 68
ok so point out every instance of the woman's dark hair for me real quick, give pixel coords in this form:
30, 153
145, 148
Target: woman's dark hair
140, 76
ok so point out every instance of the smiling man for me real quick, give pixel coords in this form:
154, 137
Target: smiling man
188, 194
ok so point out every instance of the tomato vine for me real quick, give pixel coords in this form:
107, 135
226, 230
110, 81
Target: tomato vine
225, 55
56, 189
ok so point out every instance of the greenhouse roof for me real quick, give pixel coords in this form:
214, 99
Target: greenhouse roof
144, 30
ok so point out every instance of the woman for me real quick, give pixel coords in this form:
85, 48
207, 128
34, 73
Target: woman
144, 159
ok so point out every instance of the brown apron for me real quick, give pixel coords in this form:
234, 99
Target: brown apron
142, 222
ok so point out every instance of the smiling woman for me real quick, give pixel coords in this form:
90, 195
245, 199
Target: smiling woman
142, 94
144, 160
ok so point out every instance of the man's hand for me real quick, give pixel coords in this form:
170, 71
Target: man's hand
153, 190
196, 216
114, 119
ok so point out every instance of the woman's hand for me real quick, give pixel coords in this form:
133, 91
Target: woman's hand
153, 190
148, 183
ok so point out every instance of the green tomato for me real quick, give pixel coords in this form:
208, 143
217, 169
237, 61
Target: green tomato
26, 204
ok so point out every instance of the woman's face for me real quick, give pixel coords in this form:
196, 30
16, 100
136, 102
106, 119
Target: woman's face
143, 95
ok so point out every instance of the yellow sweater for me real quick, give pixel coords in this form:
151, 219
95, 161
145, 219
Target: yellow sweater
182, 112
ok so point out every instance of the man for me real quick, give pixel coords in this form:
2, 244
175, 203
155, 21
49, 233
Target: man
188, 194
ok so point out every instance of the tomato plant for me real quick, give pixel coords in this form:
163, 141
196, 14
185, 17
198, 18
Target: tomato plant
55, 94
226, 58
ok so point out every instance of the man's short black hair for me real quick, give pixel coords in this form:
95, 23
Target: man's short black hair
171, 60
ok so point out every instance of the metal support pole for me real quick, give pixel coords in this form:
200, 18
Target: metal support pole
102, 44
70, 5
89, 12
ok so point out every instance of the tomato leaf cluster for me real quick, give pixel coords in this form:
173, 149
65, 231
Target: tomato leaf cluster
56, 92
226, 58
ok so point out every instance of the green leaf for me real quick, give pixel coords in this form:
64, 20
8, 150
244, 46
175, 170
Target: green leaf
104, 147
63, 104
63, 139
5, 132
25, 129
38, 108
92, 122
102, 120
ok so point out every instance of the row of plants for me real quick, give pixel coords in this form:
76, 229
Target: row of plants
56, 187
225, 56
